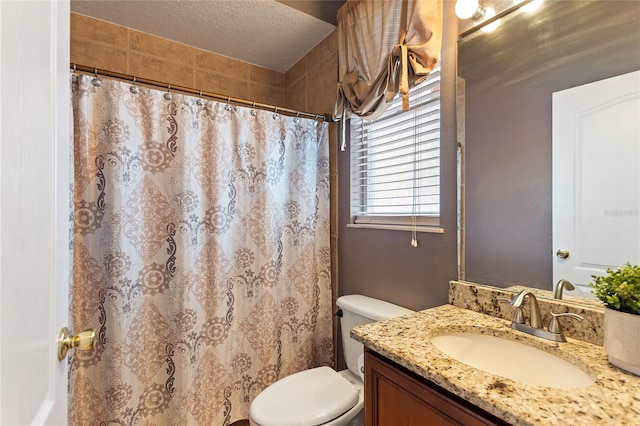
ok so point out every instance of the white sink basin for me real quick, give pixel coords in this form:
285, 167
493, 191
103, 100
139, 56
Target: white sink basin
512, 360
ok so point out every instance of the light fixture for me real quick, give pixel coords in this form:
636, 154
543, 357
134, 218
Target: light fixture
469, 9
472, 9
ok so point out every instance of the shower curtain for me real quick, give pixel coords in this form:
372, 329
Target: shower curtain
200, 254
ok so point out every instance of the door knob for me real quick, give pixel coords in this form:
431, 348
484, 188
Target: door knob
82, 341
562, 253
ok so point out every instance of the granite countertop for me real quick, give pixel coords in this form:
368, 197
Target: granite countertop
614, 398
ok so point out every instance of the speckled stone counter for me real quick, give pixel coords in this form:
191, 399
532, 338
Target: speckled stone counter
614, 398
486, 300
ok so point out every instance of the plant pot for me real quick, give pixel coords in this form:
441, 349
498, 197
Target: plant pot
622, 339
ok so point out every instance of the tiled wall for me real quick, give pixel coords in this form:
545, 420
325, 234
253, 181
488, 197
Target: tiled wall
309, 85
104, 45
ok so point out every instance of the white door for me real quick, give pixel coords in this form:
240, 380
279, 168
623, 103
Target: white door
596, 179
34, 209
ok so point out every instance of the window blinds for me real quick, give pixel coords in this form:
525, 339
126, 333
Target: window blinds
395, 159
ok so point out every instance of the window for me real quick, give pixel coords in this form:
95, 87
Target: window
395, 162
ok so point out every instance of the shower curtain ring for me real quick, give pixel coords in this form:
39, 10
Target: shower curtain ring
74, 76
134, 89
253, 110
199, 101
168, 96
95, 81
275, 113
228, 106
297, 119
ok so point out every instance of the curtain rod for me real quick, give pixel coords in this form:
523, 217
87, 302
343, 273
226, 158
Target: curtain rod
229, 99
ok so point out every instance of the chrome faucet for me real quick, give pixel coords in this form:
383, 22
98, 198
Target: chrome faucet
535, 328
562, 284
517, 302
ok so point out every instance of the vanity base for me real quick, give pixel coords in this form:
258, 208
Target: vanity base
395, 396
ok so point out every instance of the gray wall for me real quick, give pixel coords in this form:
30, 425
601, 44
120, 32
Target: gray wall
382, 264
509, 76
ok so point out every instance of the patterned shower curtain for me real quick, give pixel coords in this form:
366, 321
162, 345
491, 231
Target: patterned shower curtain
200, 254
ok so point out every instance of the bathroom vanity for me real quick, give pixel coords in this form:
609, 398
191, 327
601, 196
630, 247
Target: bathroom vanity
408, 381
396, 396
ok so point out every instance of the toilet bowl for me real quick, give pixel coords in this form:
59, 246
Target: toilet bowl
320, 396
323, 396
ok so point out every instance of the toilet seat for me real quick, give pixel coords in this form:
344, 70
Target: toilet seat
308, 398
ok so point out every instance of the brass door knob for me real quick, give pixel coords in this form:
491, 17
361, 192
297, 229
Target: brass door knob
562, 253
83, 341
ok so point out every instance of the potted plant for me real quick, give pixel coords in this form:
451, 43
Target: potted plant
619, 290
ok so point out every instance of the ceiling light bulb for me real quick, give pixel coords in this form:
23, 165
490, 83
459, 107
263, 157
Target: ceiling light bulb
488, 14
466, 9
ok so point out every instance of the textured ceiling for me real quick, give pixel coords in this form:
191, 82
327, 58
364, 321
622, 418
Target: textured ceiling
267, 33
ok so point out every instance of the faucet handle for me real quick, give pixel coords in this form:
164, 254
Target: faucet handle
518, 315
554, 325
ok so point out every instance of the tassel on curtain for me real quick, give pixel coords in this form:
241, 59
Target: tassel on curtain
200, 255
384, 48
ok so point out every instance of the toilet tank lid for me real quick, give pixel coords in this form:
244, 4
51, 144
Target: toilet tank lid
369, 307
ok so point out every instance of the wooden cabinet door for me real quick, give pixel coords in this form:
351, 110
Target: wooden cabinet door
395, 397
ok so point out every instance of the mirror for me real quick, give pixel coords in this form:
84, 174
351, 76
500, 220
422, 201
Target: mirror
506, 81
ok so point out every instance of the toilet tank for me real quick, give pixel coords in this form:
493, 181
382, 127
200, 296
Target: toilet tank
359, 310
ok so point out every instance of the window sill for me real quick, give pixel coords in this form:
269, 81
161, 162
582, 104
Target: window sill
409, 228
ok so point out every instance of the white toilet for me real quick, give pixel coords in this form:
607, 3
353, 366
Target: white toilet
322, 396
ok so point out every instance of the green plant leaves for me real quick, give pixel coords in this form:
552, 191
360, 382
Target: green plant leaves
619, 289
